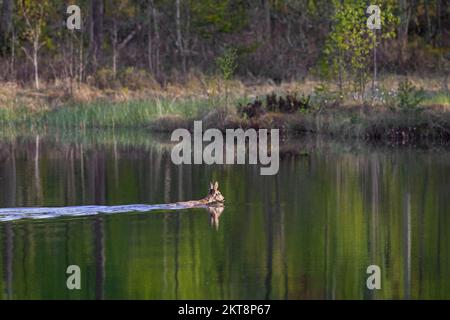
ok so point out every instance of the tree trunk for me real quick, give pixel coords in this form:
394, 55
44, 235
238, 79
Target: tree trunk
72, 64
117, 47
427, 14
439, 22
375, 67
267, 18
97, 29
6, 21
114, 47
81, 62
405, 17
180, 45
157, 39
36, 62
13, 56
149, 38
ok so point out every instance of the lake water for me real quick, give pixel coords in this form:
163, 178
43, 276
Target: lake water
309, 232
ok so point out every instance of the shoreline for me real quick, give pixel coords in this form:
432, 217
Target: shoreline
428, 127
246, 106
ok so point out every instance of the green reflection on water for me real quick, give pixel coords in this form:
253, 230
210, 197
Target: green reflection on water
308, 233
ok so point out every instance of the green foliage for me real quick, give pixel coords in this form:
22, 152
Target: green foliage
409, 97
33, 19
124, 114
299, 32
212, 17
227, 63
439, 99
348, 47
103, 114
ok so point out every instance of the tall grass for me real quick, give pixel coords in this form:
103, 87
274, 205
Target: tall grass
125, 114
441, 98
140, 113
104, 137
12, 116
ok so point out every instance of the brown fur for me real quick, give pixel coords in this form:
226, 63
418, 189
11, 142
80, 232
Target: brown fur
214, 197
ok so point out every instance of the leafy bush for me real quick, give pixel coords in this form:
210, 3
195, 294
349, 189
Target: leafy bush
409, 97
227, 63
104, 79
290, 104
251, 110
136, 79
130, 78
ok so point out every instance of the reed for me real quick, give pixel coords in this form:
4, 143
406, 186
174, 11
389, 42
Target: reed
139, 113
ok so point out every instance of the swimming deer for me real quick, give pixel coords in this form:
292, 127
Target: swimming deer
214, 197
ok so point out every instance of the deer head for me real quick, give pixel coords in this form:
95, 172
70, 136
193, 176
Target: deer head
214, 194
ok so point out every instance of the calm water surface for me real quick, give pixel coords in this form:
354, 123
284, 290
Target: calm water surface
309, 232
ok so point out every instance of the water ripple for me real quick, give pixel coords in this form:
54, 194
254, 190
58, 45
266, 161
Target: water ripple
10, 214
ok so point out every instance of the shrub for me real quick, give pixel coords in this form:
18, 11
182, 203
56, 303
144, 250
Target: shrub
409, 97
227, 63
136, 79
104, 79
251, 110
290, 104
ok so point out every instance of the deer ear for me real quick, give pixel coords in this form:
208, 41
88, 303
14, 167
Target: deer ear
216, 186
211, 186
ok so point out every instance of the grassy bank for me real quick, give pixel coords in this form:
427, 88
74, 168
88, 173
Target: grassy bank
372, 125
403, 114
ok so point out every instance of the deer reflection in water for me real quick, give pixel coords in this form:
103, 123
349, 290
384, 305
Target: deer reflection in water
214, 215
